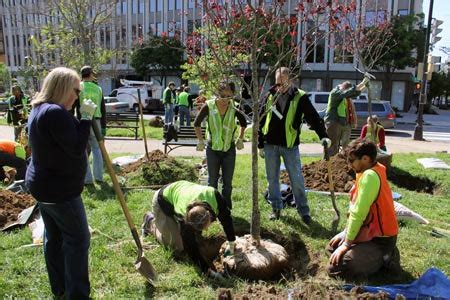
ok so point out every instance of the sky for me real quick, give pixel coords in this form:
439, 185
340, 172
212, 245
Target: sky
441, 11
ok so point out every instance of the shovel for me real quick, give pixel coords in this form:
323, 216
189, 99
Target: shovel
331, 185
142, 265
142, 123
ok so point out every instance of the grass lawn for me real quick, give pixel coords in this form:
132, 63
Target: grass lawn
111, 259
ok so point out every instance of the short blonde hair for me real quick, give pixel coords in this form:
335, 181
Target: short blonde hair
58, 85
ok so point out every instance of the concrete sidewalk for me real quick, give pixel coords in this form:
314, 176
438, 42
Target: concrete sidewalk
441, 119
395, 144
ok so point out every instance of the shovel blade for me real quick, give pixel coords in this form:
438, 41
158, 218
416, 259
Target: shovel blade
145, 268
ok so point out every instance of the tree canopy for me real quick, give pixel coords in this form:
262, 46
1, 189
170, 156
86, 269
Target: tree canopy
159, 54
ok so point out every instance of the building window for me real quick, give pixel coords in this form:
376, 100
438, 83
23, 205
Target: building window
134, 7
402, 12
153, 6
191, 3
159, 28
178, 4
159, 6
124, 7
141, 6
171, 4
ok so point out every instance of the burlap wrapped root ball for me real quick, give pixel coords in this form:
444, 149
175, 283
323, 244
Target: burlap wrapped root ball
252, 262
156, 121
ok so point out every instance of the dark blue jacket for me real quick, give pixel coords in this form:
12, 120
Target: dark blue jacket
58, 163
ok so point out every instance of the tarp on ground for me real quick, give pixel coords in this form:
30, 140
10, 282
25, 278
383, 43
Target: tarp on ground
432, 284
433, 163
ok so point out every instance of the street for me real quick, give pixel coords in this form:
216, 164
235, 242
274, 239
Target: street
437, 133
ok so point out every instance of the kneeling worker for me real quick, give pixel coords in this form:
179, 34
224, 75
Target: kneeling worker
183, 209
13, 155
369, 240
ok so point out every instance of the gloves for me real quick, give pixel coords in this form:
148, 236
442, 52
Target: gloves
87, 109
229, 250
103, 131
214, 274
366, 81
326, 142
200, 145
261, 152
239, 144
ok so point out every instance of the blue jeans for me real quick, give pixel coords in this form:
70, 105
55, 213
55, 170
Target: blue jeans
216, 160
291, 158
66, 247
168, 113
185, 113
97, 158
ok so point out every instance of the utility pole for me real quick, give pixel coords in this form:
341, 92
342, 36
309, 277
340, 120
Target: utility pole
418, 129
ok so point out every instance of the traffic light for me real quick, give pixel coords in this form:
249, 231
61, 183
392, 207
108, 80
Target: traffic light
435, 30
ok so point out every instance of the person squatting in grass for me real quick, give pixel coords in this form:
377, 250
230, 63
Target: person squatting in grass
181, 211
221, 116
373, 127
55, 178
13, 154
369, 240
281, 114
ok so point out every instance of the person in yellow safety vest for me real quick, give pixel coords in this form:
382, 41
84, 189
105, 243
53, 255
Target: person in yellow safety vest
181, 211
368, 242
281, 115
168, 100
17, 110
367, 131
336, 119
90, 90
185, 106
12, 154
221, 115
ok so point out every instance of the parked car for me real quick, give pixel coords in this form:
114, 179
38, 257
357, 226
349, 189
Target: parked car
3, 105
383, 109
114, 106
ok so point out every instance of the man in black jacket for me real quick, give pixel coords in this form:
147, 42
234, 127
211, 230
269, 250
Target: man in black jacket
281, 115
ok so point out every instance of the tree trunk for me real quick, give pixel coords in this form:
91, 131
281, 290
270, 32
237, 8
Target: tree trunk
255, 228
387, 85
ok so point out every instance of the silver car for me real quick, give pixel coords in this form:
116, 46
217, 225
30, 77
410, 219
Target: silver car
383, 109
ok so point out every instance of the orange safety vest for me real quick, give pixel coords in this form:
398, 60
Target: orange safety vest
8, 147
381, 219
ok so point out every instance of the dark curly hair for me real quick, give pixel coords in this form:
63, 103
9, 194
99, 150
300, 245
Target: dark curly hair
360, 147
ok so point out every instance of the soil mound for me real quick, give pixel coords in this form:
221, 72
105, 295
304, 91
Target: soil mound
12, 204
159, 169
316, 175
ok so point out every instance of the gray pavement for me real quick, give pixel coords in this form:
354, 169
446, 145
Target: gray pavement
441, 119
397, 142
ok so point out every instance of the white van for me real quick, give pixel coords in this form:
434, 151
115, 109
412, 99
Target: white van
150, 93
320, 99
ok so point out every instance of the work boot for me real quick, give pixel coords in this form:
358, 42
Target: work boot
306, 219
275, 214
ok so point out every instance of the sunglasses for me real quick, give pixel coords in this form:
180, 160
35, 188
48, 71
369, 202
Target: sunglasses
77, 91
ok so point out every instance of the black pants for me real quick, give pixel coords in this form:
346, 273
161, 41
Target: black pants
15, 162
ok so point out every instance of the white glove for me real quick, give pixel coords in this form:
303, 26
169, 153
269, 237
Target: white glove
200, 145
261, 152
326, 142
229, 250
239, 144
87, 109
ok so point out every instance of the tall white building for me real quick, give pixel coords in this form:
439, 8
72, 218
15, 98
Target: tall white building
133, 20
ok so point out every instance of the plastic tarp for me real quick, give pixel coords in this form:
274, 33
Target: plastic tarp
432, 284
433, 163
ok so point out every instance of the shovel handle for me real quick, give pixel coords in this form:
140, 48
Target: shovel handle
116, 185
330, 181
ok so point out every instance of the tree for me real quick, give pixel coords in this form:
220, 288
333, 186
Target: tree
70, 34
5, 78
408, 39
265, 35
160, 54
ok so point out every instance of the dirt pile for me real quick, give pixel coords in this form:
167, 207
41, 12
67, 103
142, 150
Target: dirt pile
156, 121
316, 175
12, 204
159, 169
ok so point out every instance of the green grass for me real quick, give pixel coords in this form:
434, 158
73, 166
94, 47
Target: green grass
111, 261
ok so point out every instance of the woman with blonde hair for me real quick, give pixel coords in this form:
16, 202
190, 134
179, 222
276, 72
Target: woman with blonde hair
55, 178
